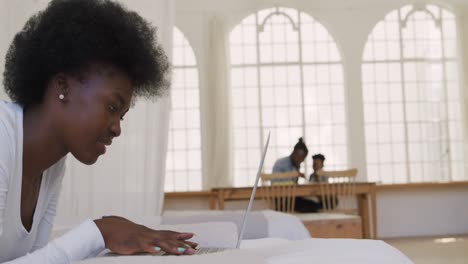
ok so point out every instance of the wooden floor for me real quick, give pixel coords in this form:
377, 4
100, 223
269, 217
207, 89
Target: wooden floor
440, 250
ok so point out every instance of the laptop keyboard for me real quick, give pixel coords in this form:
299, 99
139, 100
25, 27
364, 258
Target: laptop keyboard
198, 251
202, 251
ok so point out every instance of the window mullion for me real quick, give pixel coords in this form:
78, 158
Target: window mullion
447, 140
301, 72
260, 112
403, 88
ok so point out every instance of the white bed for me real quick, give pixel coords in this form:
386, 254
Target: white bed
284, 246
280, 251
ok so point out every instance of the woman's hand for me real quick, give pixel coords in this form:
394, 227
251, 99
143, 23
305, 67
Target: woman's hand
125, 237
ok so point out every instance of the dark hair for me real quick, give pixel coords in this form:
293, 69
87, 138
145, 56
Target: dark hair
71, 35
301, 146
319, 157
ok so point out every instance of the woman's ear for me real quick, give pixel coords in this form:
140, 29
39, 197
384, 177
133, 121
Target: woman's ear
61, 86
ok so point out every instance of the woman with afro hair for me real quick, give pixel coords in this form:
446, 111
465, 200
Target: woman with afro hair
72, 73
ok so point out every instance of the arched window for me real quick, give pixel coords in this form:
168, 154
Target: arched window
412, 97
287, 77
183, 164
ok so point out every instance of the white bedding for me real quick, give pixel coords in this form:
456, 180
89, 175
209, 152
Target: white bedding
279, 251
327, 251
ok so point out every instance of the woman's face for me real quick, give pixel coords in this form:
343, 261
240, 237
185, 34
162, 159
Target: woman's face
93, 110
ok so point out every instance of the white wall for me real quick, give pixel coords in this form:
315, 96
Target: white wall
431, 212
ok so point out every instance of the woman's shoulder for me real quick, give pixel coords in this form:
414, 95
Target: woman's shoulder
283, 160
10, 122
10, 114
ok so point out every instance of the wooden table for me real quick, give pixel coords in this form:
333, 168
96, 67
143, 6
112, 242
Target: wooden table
196, 194
365, 192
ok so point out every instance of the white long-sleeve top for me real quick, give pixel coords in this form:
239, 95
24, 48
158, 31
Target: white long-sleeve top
17, 245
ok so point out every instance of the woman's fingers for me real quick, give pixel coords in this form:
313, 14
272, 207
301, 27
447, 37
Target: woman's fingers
125, 237
184, 236
191, 244
150, 248
175, 247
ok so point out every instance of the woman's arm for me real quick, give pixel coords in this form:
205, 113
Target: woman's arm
80, 243
6, 157
3, 194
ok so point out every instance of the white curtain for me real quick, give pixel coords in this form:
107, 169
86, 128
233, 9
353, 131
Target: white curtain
13, 16
4, 39
218, 133
129, 179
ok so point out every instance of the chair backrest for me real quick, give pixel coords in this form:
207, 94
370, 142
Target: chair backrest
338, 192
279, 190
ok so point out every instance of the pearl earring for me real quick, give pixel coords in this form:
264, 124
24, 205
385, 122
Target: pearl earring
61, 96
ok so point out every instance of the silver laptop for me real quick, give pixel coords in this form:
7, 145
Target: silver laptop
249, 207
202, 250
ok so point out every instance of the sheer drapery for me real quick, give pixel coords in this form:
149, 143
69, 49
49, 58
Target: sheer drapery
218, 132
129, 179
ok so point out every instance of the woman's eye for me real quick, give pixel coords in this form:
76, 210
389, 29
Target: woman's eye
112, 109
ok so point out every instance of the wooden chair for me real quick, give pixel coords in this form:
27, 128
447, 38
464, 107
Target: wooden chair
338, 193
279, 190
338, 218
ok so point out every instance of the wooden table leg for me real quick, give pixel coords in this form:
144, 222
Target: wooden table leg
374, 212
363, 207
221, 199
212, 201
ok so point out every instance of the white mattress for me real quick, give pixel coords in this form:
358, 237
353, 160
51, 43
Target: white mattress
279, 251
323, 251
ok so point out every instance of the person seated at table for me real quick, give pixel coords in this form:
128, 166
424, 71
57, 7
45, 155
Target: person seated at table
292, 162
317, 164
